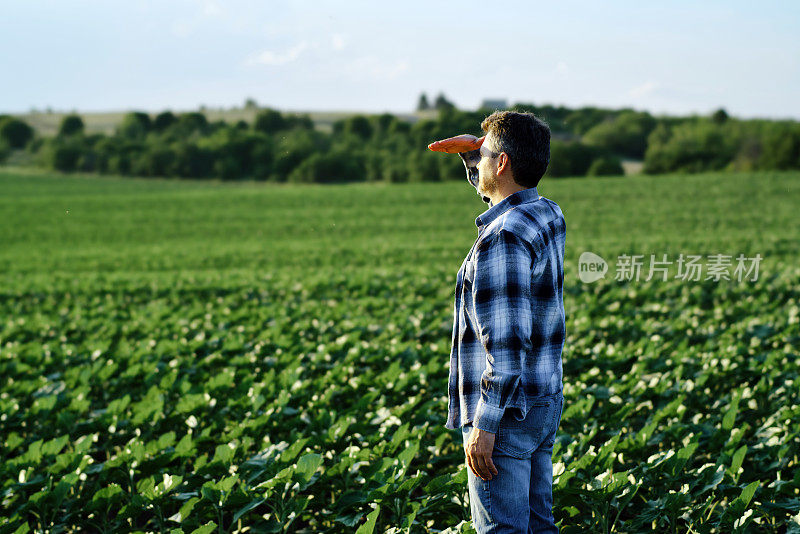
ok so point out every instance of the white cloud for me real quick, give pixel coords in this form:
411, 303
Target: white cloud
338, 41
269, 57
561, 68
181, 28
210, 8
644, 89
207, 9
371, 67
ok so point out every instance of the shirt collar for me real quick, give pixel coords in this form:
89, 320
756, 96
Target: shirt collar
530, 194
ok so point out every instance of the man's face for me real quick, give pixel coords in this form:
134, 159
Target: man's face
487, 166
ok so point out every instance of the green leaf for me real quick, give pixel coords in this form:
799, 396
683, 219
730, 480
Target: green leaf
683, 456
736, 461
408, 520
137, 450
165, 440
747, 494
351, 518
168, 483
307, 465
350, 498
438, 484
185, 446
34, 453
408, 454
739, 505
55, 445
208, 528
223, 453
730, 416
293, 450
185, 510
145, 488
209, 491
410, 483
226, 484
369, 526
247, 508
716, 478
108, 493
400, 434
459, 478
13, 441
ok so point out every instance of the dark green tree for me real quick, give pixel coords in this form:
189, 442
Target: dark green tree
441, 103
571, 158
781, 147
626, 134
422, 103
425, 167
192, 122
156, 161
300, 121
164, 120
334, 166
294, 146
691, 147
582, 120
65, 155
719, 116
192, 161
357, 125
269, 121
71, 125
15, 133
135, 125
606, 166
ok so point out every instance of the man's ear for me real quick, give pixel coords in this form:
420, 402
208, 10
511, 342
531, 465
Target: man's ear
503, 163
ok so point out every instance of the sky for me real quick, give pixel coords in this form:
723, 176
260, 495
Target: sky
666, 57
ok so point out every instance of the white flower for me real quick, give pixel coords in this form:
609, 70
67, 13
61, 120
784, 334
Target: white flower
558, 469
739, 522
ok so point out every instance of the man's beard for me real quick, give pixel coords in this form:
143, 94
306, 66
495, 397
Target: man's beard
489, 184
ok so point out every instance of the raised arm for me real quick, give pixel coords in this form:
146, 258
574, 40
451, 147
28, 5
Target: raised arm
467, 147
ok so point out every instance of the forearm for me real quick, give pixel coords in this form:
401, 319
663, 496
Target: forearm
501, 301
497, 389
471, 159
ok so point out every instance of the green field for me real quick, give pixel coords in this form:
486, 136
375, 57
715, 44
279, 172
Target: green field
182, 355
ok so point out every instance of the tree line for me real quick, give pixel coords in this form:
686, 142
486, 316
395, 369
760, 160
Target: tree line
280, 147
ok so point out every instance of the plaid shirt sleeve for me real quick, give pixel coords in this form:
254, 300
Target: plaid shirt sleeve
501, 294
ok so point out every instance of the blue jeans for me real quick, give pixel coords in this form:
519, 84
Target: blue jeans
519, 498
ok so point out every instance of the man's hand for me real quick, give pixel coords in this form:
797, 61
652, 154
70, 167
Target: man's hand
468, 149
459, 143
480, 445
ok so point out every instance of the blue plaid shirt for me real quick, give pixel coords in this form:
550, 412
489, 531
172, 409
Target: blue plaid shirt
509, 323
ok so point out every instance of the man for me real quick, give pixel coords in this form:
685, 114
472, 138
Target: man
505, 385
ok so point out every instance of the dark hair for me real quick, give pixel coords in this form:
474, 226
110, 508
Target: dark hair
525, 139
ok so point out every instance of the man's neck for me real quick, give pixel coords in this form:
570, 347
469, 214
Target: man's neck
505, 190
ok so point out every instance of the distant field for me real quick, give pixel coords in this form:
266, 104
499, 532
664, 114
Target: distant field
177, 354
47, 123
